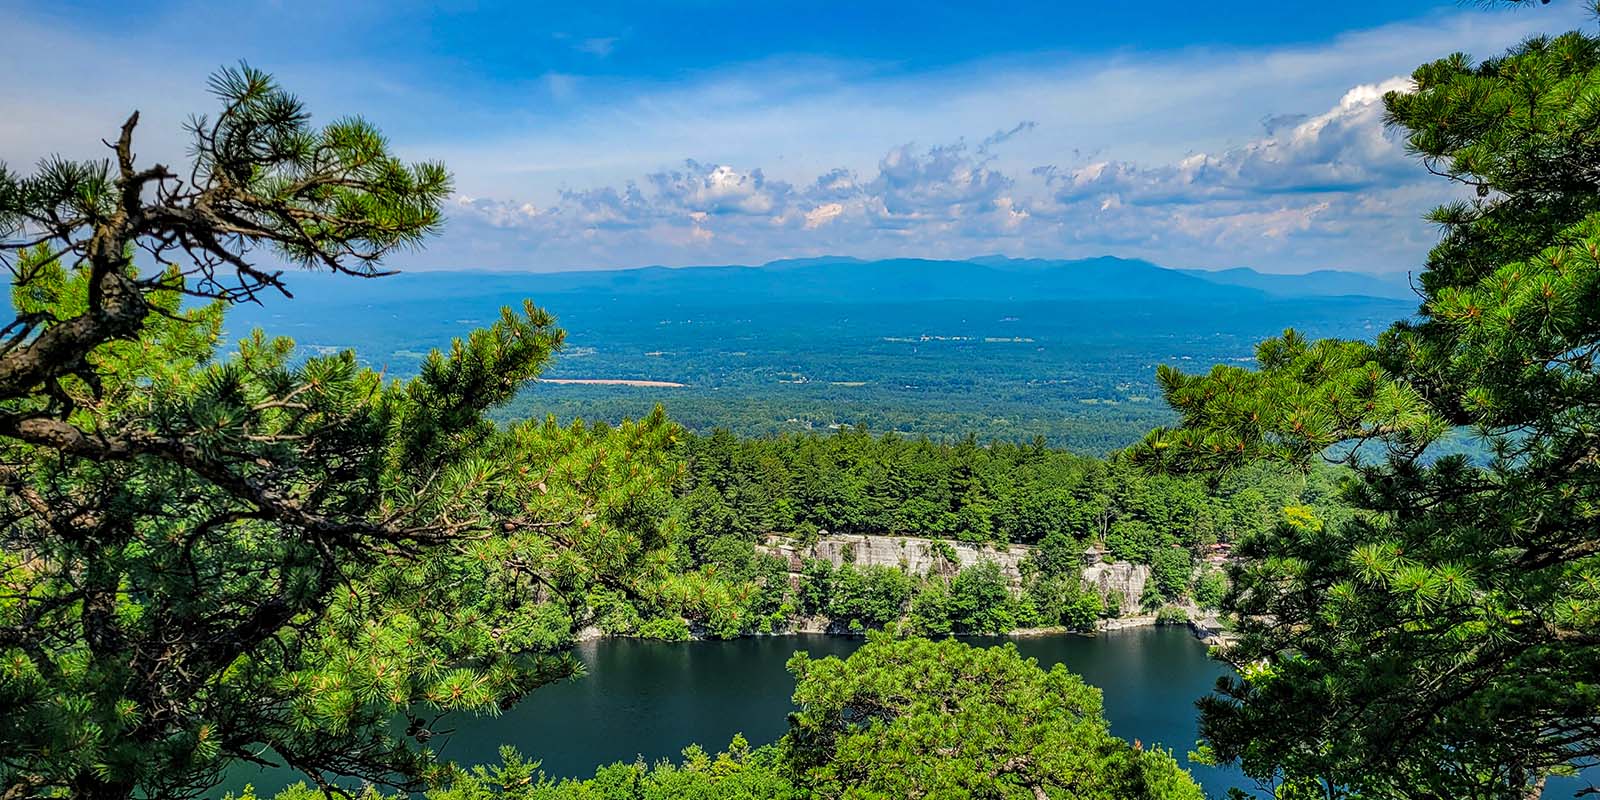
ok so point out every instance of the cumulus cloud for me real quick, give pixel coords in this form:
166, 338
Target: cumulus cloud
1343, 149
702, 211
944, 182
496, 213
719, 189
823, 214
1281, 198
1139, 153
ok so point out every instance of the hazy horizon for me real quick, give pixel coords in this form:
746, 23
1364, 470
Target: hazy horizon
515, 269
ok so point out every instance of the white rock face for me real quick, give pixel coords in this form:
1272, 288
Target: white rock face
1119, 577
915, 555
920, 556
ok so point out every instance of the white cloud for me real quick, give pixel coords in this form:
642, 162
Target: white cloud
719, 189
1274, 157
1327, 189
496, 213
943, 181
1157, 155
1346, 148
822, 215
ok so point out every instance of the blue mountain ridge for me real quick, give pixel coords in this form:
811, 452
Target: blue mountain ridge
845, 280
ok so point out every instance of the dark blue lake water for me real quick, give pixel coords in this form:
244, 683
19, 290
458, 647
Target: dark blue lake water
652, 699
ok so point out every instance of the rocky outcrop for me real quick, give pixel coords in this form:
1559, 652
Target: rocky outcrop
920, 556
1121, 578
913, 554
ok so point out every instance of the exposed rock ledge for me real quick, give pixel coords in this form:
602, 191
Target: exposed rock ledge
921, 556
913, 554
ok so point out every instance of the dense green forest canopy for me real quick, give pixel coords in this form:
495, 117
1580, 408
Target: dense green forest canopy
855, 482
738, 493
735, 498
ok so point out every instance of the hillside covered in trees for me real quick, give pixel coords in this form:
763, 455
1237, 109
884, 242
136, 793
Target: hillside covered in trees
809, 346
738, 491
217, 555
221, 550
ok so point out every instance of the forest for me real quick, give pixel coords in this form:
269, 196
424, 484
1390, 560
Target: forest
736, 492
1076, 369
219, 550
856, 482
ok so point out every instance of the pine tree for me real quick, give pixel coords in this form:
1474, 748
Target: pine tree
941, 719
205, 558
1445, 641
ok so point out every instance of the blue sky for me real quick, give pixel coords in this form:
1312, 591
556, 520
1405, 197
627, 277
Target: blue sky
601, 135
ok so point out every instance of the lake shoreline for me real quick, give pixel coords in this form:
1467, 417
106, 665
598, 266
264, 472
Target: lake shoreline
1208, 630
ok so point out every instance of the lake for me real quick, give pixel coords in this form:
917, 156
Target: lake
652, 699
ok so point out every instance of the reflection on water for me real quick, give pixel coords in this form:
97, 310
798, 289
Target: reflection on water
652, 699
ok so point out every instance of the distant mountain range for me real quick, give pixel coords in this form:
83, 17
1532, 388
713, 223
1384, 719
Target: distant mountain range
999, 347
1321, 283
843, 280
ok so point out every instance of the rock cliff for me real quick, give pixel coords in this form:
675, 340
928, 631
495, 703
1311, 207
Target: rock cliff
913, 554
920, 556
1120, 578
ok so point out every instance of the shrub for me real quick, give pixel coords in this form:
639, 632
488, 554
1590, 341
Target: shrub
667, 629
1210, 588
1172, 615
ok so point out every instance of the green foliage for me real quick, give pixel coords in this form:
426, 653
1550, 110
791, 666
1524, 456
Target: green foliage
1150, 599
932, 609
740, 772
917, 718
1063, 600
1056, 555
1440, 640
1210, 588
719, 608
667, 629
853, 482
980, 600
815, 582
1171, 570
740, 492
210, 556
261, 146
869, 597
298, 637
1172, 615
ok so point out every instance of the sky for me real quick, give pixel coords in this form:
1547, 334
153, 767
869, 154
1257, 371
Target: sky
595, 135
